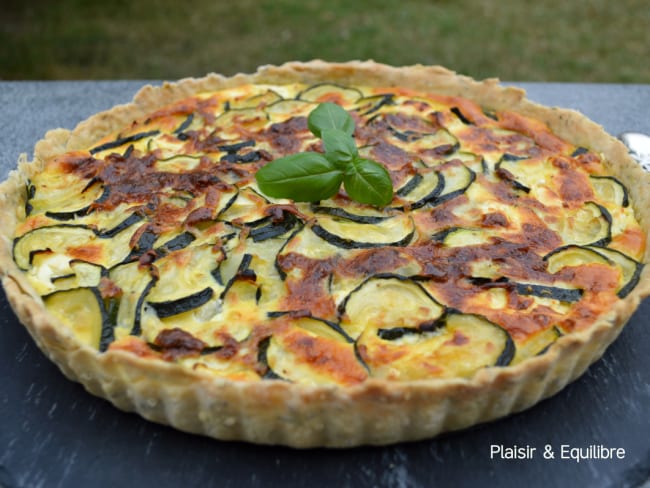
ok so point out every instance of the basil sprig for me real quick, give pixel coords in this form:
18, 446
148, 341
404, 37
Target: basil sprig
312, 176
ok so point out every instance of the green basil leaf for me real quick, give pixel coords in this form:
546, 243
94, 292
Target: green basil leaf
340, 147
329, 115
368, 182
302, 177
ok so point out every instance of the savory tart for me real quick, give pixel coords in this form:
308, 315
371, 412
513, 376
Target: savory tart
146, 259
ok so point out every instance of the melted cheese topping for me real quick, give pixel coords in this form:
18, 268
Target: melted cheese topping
500, 238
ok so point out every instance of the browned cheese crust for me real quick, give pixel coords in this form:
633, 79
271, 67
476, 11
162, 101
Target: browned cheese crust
359, 393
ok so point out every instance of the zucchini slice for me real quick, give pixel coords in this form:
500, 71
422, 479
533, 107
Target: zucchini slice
274, 228
407, 128
169, 308
305, 243
462, 236
261, 99
51, 272
210, 314
286, 109
573, 255
590, 225
519, 176
395, 231
56, 239
195, 314
185, 296
432, 148
229, 123
317, 326
388, 301
457, 179
176, 243
609, 189
248, 208
353, 211
536, 344
309, 353
458, 346
122, 141
243, 273
134, 218
54, 197
82, 310
423, 188
135, 282
374, 103
323, 328
456, 111
183, 126
567, 295
630, 269
178, 163
82, 275
183, 274
233, 154
330, 92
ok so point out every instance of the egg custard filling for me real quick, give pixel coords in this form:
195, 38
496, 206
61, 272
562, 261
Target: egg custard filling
501, 238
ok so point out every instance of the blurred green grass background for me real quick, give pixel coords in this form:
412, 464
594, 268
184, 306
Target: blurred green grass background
554, 40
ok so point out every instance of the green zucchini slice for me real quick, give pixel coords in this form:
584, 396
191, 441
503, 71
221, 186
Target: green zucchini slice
54, 199
354, 212
231, 121
589, 225
305, 244
457, 178
82, 275
77, 241
374, 103
311, 350
51, 272
396, 231
630, 269
536, 344
265, 98
178, 163
273, 228
169, 308
123, 141
248, 208
332, 92
176, 243
179, 131
409, 128
424, 187
207, 314
573, 255
82, 310
287, 109
518, 174
567, 295
184, 273
185, 296
431, 147
388, 301
196, 314
135, 281
462, 236
56, 239
609, 189
458, 346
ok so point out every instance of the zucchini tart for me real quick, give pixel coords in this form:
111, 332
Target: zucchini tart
148, 262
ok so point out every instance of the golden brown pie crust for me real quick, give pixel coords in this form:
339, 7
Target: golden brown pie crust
277, 412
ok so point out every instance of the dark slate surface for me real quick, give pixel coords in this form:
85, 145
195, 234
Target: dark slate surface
53, 433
